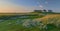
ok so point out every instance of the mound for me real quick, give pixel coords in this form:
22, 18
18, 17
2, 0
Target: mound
50, 19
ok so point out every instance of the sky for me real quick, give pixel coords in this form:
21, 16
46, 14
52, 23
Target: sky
17, 6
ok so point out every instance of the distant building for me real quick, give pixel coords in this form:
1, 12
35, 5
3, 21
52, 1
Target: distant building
41, 11
38, 11
50, 11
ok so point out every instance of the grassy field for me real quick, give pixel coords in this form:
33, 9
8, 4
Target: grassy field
30, 22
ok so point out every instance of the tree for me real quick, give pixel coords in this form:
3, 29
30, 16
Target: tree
44, 10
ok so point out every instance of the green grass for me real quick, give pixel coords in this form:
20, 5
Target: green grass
13, 25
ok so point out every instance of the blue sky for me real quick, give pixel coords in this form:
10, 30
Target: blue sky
28, 5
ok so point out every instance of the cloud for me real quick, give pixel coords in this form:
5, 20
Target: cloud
46, 2
8, 7
41, 6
